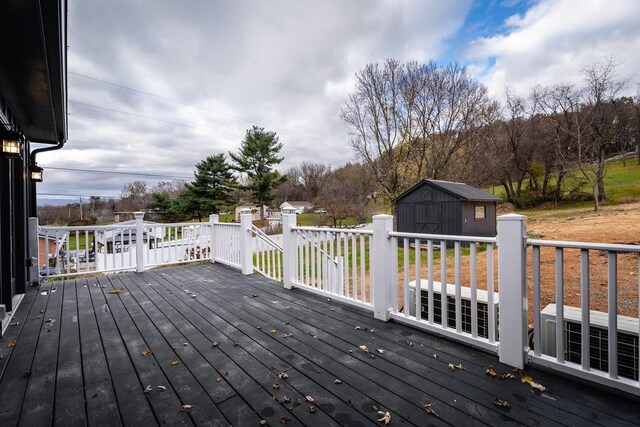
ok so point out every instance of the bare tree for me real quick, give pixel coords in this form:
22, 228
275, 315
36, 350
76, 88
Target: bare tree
413, 121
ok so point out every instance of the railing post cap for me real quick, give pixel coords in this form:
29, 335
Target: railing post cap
245, 211
138, 215
512, 217
382, 217
289, 210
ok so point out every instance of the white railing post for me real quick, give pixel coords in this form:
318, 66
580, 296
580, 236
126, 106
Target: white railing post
246, 243
33, 250
512, 285
139, 241
213, 220
289, 247
381, 258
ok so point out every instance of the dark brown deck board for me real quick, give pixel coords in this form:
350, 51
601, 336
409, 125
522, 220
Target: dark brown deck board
88, 369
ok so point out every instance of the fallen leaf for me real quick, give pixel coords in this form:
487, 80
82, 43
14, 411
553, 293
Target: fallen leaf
284, 420
507, 376
537, 386
287, 335
380, 350
337, 381
273, 331
285, 399
185, 344
491, 372
218, 379
349, 403
364, 348
309, 399
146, 352
186, 408
501, 403
259, 327
385, 417
16, 323
409, 343
275, 302
161, 388
175, 362
429, 410
216, 343
263, 422
435, 356
375, 407
147, 389
358, 328
255, 295
312, 409
11, 344
526, 379
276, 386
283, 375
454, 367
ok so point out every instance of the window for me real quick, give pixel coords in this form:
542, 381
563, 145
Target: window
481, 212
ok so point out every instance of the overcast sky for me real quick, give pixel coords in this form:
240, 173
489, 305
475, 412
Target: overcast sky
155, 86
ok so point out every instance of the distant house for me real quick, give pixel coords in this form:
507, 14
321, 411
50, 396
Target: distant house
300, 206
443, 207
48, 247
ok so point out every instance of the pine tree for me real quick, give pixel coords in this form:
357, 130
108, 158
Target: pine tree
212, 188
257, 156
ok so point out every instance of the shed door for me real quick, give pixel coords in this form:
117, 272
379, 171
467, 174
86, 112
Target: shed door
428, 217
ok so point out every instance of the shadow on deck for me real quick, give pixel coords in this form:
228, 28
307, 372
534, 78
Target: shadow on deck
75, 354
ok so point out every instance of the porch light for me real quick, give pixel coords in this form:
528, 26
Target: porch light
36, 173
11, 145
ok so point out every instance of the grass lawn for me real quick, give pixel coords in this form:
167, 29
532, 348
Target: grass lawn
622, 185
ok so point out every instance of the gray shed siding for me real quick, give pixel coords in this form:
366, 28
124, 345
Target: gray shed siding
431, 210
479, 227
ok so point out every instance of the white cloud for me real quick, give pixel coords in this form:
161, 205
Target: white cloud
287, 65
555, 39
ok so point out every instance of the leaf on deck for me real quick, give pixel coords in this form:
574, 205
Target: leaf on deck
385, 417
146, 352
186, 408
175, 362
491, 372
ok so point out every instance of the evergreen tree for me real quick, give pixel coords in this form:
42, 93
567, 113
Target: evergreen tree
257, 156
212, 188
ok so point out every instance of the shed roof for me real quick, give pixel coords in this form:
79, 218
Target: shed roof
459, 189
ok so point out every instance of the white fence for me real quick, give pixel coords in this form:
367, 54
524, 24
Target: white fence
72, 251
444, 284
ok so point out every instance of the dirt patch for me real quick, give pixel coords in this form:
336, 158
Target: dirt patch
613, 224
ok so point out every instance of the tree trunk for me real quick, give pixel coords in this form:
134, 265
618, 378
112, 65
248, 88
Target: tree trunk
600, 180
557, 194
262, 212
595, 197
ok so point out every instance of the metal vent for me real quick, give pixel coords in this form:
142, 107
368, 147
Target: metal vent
598, 344
483, 315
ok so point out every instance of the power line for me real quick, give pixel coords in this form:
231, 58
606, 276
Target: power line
73, 196
117, 172
305, 149
192, 105
153, 118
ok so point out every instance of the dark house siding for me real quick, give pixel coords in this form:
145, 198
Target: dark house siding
437, 207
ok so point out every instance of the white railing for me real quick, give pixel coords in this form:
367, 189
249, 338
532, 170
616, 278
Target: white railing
176, 243
334, 262
426, 299
267, 255
72, 251
227, 244
443, 284
591, 343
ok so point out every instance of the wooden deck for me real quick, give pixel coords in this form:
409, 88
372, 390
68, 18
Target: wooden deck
218, 342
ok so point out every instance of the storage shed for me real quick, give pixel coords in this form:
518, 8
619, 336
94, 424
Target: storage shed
443, 207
